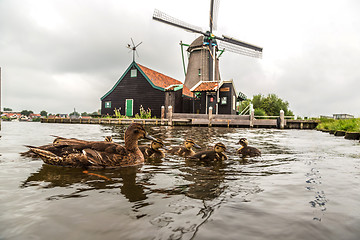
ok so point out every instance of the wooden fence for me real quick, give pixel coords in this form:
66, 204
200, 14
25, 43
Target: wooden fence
187, 119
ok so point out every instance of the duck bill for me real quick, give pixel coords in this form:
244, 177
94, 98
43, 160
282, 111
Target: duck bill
196, 146
165, 147
147, 136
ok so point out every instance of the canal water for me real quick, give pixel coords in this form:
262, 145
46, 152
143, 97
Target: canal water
306, 185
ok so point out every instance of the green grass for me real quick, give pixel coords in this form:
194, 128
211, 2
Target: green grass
348, 125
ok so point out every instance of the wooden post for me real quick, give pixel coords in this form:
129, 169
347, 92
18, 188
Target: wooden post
162, 114
210, 116
252, 114
282, 119
170, 115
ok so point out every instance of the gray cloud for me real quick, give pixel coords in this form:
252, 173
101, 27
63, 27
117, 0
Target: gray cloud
57, 55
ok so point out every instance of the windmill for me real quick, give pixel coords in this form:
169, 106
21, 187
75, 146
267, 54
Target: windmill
133, 48
203, 60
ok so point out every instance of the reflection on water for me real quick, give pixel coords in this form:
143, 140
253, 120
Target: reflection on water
54, 176
298, 181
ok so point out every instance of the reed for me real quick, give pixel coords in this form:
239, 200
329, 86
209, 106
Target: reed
348, 125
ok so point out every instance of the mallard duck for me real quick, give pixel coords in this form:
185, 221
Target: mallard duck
95, 154
216, 154
60, 146
186, 150
153, 150
247, 151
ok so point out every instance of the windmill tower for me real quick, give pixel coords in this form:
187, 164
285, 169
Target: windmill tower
203, 62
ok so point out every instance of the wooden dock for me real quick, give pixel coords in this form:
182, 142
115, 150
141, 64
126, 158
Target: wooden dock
182, 119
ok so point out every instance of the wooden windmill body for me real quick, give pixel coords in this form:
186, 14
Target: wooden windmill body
199, 64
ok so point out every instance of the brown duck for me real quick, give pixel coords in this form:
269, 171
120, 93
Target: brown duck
216, 154
247, 151
95, 154
186, 150
153, 150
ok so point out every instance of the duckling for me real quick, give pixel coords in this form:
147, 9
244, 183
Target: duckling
108, 139
246, 150
96, 154
186, 150
153, 150
216, 154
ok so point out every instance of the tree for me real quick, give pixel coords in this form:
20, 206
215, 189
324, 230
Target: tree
43, 113
26, 112
7, 109
74, 114
271, 104
259, 112
84, 114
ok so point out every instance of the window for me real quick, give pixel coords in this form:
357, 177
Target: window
133, 73
223, 100
108, 104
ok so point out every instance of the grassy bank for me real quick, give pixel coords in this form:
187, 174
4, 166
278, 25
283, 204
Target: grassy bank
348, 125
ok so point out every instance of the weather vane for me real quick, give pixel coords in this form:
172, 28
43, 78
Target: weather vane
133, 48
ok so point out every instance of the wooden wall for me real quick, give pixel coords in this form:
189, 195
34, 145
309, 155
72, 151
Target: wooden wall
227, 90
137, 88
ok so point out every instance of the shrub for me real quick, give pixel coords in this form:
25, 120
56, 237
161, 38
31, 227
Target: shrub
143, 114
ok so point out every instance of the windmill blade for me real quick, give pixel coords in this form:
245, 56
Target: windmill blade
133, 42
138, 45
240, 47
163, 17
214, 9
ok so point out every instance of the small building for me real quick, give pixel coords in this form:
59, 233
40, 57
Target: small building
63, 115
221, 97
34, 115
342, 116
11, 115
140, 86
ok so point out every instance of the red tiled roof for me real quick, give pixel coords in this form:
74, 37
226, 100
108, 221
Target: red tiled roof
163, 81
206, 86
158, 79
187, 92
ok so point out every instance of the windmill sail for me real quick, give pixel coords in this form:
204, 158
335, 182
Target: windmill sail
203, 60
163, 17
240, 47
214, 9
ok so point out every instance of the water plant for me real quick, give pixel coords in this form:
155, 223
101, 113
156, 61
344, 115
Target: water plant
348, 125
143, 114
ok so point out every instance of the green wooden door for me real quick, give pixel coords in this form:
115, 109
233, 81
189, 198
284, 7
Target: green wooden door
129, 107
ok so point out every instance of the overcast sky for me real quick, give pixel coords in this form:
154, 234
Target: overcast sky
57, 55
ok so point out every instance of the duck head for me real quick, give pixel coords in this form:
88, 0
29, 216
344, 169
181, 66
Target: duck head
133, 133
156, 144
190, 143
219, 147
243, 142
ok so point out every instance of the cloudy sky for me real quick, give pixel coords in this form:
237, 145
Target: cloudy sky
57, 55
